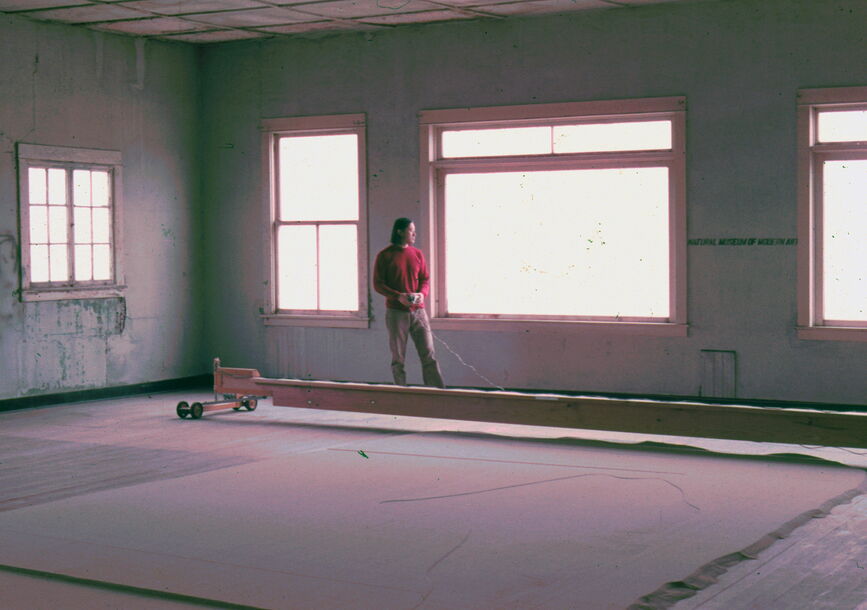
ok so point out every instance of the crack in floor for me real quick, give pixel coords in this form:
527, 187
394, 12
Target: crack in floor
554, 480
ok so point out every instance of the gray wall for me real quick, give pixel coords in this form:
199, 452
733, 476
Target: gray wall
66, 86
739, 63
194, 251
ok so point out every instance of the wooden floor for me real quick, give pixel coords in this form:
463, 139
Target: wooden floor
121, 504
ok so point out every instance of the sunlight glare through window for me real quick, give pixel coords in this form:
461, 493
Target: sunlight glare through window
296, 264
36, 178
842, 126
338, 268
496, 142
319, 177
845, 240
608, 137
561, 243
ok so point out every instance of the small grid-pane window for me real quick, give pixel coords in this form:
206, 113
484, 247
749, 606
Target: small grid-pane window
69, 221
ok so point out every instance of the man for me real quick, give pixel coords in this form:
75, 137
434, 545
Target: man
400, 274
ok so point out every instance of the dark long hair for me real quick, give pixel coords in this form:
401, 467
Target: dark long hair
399, 225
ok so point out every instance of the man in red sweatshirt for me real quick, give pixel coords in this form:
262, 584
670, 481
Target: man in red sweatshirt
400, 274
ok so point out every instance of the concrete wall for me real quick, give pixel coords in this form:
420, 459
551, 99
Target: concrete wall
67, 86
738, 62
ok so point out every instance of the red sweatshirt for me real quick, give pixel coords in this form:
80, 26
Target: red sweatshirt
399, 270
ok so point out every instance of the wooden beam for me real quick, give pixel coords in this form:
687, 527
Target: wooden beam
737, 422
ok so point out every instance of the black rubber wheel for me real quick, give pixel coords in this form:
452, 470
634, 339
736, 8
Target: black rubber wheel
250, 404
183, 409
236, 408
196, 410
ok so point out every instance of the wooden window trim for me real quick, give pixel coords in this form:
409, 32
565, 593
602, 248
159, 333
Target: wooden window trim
433, 122
272, 129
811, 324
70, 158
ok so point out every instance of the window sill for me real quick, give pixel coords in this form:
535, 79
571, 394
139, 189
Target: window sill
832, 333
652, 329
321, 321
71, 294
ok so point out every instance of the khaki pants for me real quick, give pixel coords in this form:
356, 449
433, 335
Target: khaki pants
403, 324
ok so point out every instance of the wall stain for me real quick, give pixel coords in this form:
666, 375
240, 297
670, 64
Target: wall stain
8, 280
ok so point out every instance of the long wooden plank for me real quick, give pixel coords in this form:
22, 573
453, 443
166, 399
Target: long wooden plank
694, 419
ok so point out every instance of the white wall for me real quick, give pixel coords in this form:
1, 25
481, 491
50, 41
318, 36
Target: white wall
67, 86
739, 63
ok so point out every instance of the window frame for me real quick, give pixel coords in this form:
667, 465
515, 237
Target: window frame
812, 154
433, 167
272, 130
70, 159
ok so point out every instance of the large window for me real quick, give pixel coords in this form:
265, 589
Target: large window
70, 226
565, 214
832, 242
316, 202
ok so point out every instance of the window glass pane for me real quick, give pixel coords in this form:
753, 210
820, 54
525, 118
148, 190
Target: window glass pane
318, 177
844, 256
57, 224
842, 126
38, 224
603, 137
38, 263
296, 267
562, 243
338, 267
81, 187
100, 188
58, 269
83, 234
101, 226
496, 142
36, 178
102, 262
83, 263
57, 186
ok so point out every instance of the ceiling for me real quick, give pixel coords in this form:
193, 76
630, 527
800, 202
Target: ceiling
210, 21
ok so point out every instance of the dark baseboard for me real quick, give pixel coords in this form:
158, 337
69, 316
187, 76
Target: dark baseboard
166, 385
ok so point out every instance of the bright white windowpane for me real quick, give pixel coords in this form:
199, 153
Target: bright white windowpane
100, 186
38, 224
604, 137
338, 267
560, 243
101, 226
36, 178
57, 186
38, 263
83, 233
844, 252
319, 177
496, 142
296, 267
81, 187
842, 126
101, 262
57, 225
58, 270
83, 263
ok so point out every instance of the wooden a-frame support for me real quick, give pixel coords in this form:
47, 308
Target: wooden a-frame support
737, 422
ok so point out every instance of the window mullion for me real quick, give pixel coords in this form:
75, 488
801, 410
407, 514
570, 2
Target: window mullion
70, 226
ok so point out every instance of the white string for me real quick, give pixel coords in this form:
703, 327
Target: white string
469, 366
414, 312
